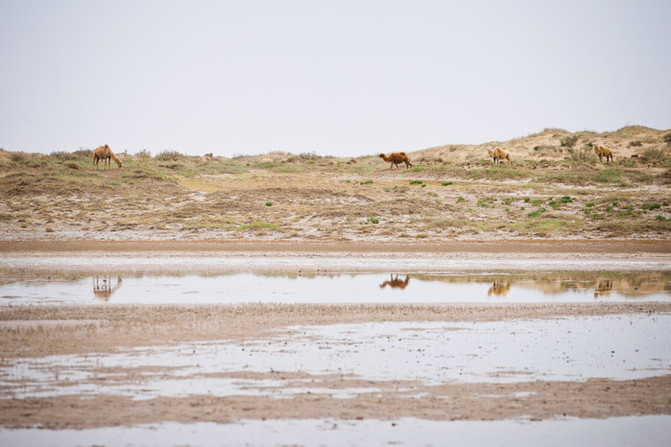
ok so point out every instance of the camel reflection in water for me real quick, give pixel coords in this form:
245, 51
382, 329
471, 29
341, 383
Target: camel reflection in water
500, 288
396, 283
103, 288
603, 288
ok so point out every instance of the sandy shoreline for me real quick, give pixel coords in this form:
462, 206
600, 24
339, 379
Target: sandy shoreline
515, 246
220, 257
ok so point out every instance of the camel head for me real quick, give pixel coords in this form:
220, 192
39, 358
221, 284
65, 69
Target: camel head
490, 151
381, 155
119, 162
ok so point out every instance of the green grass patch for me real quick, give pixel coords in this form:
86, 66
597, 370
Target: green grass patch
487, 202
258, 226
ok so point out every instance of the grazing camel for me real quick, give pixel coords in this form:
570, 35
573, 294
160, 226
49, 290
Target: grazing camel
396, 158
603, 151
497, 154
396, 283
104, 153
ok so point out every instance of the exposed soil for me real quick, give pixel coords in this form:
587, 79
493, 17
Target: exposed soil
42, 331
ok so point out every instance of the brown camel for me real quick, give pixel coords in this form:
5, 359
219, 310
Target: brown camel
603, 151
497, 154
104, 153
396, 158
396, 283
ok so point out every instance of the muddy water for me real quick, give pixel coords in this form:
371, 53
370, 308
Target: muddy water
622, 431
307, 363
551, 287
618, 347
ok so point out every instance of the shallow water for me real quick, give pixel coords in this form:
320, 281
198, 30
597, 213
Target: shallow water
622, 431
538, 287
427, 353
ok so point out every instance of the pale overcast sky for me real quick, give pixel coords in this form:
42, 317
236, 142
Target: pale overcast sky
335, 77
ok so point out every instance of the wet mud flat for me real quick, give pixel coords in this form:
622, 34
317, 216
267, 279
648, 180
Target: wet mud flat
91, 353
96, 366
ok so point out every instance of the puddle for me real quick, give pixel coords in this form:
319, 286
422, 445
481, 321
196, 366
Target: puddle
622, 431
616, 347
582, 286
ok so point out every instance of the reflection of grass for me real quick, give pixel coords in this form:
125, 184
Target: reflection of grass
258, 226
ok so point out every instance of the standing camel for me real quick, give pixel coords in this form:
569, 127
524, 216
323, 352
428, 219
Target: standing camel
396, 158
499, 154
603, 151
104, 153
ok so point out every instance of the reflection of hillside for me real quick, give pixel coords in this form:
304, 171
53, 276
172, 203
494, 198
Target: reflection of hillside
549, 283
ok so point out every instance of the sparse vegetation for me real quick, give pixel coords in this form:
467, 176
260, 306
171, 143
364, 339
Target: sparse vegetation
170, 156
569, 140
652, 155
258, 226
218, 197
667, 139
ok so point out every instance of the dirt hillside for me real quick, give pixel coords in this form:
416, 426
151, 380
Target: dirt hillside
556, 188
